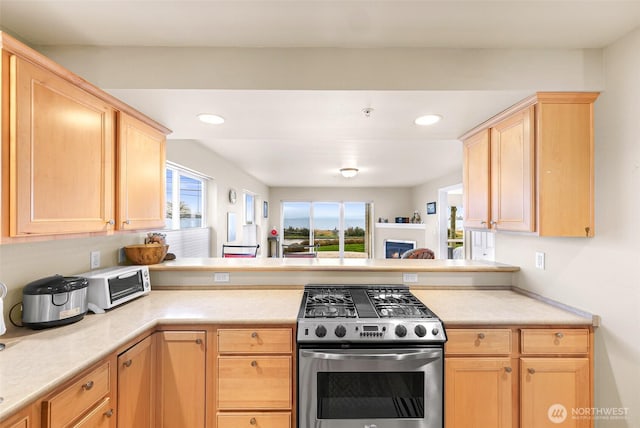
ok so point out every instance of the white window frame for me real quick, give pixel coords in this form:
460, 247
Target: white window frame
178, 171
245, 198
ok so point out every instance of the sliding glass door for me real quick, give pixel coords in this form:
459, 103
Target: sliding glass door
326, 229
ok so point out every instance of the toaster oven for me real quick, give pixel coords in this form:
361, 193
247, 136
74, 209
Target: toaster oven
114, 286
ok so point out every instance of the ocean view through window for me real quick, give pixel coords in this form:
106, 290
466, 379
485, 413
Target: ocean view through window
185, 196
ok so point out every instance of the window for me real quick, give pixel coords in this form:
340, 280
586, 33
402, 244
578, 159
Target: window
249, 208
185, 194
336, 229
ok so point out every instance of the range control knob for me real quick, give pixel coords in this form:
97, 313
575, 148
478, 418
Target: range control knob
420, 330
401, 331
340, 331
435, 331
321, 331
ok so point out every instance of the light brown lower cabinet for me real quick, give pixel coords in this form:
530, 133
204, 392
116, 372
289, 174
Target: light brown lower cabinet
518, 377
136, 385
28, 417
181, 379
255, 420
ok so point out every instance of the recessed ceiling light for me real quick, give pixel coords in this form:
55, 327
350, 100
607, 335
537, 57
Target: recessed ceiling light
211, 119
428, 119
349, 172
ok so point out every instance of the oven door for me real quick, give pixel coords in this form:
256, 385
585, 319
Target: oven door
370, 388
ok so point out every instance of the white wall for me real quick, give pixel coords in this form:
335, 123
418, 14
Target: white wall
428, 192
602, 274
225, 175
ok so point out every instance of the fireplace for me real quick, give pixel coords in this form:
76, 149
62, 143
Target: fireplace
394, 248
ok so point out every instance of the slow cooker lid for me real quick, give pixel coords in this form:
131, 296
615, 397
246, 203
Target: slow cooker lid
55, 284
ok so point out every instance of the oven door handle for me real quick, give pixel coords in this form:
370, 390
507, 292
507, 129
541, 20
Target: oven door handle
395, 356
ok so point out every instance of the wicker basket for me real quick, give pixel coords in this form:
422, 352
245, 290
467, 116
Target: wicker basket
146, 254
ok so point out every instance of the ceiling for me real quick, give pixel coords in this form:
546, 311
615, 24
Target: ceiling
302, 138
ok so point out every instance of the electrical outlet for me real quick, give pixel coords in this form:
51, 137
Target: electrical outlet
539, 260
95, 260
409, 277
221, 277
122, 257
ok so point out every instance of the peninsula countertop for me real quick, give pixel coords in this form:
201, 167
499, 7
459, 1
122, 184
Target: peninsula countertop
36, 362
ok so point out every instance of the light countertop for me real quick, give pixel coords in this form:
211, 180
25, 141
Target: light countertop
35, 362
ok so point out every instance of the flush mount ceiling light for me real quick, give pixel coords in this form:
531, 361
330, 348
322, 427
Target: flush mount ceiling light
428, 119
211, 119
349, 172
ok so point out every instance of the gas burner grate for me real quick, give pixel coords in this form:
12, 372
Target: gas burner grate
397, 303
329, 303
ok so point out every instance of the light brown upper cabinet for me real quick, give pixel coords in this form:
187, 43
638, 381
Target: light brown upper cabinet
61, 154
75, 160
530, 168
141, 175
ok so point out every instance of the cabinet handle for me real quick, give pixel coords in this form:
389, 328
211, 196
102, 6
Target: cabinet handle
559, 335
483, 223
109, 413
254, 334
587, 231
254, 363
198, 341
87, 386
531, 371
252, 421
111, 222
508, 369
481, 336
493, 223
127, 363
127, 222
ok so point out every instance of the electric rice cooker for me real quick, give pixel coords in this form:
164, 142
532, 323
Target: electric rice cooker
53, 301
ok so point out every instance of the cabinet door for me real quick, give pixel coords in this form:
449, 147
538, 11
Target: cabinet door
550, 388
135, 385
478, 392
26, 418
61, 162
512, 173
101, 416
475, 175
141, 175
181, 364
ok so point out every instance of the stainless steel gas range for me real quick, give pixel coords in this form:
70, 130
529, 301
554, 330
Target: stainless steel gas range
369, 356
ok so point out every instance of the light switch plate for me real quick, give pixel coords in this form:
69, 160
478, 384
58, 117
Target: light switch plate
540, 260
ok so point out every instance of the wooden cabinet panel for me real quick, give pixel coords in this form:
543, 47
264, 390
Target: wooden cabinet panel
566, 166
100, 417
254, 420
62, 150
478, 341
558, 341
475, 176
255, 341
181, 377
28, 417
136, 378
76, 399
512, 173
254, 382
550, 388
478, 392
141, 175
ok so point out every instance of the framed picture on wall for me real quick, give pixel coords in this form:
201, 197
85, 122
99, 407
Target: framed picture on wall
431, 207
265, 209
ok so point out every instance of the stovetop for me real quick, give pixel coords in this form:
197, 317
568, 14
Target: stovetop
366, 313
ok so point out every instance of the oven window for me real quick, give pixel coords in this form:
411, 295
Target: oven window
370, 395
120, 288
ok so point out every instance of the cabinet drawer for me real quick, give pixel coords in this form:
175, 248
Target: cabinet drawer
254, 420
555, 341
254, 382
255, 341
100, 417
478, 341
79, 397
